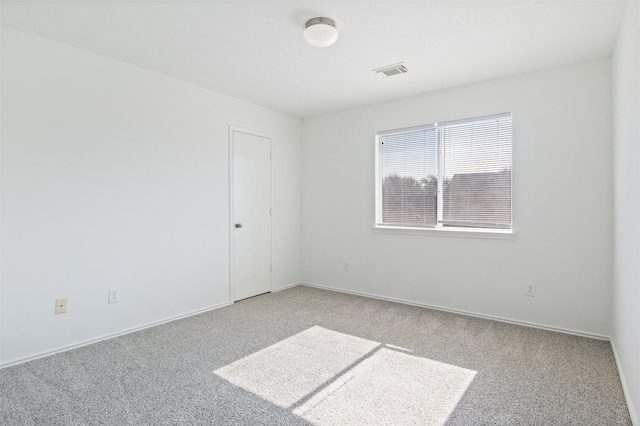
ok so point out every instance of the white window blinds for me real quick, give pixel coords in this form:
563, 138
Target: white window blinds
454, 174
477, 173
409, 183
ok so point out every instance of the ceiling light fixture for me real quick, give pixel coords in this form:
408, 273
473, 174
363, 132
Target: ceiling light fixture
321, 32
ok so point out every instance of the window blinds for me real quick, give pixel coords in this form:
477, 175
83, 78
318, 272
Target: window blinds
409, 183
455, 174
477, 173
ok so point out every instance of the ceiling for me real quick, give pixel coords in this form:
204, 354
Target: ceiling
255, 51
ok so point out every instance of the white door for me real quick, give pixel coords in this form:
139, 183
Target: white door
251, 215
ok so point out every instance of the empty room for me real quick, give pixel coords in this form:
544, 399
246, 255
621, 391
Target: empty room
320, 213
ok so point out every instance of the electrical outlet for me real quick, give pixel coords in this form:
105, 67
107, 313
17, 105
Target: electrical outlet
346, 267
114, 295
530, 289
61, 306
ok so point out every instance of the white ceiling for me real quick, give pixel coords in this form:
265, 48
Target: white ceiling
254, 50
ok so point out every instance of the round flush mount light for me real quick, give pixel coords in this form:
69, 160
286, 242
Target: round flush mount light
321, 32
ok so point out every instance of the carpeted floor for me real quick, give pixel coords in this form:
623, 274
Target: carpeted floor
307, 356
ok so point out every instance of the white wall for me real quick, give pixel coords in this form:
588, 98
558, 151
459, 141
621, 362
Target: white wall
0, 186
115, 176
562, 204
626, 290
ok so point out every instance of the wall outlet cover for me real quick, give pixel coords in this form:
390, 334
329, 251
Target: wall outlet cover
114, 295
61, 305
530, 289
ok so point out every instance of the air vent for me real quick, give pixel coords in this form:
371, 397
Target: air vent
390, 70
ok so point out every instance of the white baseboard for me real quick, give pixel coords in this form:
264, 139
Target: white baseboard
108, 336
285, 287
632, 412
461, 312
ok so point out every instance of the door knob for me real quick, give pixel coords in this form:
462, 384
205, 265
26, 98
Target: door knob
238, 225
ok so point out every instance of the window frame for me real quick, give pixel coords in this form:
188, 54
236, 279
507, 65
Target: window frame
438, 229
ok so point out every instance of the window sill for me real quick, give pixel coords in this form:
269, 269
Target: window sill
497, 234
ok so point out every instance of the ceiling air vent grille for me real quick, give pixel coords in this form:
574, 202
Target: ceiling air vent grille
391, 70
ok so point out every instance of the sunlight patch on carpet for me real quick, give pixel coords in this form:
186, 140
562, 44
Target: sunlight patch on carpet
331, 378
291, 369
390, 387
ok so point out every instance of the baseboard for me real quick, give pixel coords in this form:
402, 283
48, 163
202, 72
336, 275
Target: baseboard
462, 312
108, 336
632, 412
285, 287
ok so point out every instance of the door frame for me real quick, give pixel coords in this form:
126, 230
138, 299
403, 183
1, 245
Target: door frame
235, 129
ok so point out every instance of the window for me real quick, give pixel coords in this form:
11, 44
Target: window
445, 176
